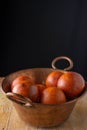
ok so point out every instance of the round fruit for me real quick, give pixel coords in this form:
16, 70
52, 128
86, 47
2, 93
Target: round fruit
41, 87
72, 84
22, 89
52, 78
34, 93
22, 79
52, 95
23, 85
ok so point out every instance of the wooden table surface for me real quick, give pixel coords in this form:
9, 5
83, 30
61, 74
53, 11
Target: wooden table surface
9, 120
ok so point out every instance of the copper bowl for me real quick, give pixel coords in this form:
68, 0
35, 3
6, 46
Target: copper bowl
37, 114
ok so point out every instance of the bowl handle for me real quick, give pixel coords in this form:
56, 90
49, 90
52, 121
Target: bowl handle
19, 99
62, 58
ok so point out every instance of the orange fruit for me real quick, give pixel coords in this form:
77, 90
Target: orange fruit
41, 87
72, 84
24, 86
22, 89
52, 78
52, 95
22, 80
33, 93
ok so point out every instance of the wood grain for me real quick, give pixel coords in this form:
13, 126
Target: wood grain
9, 119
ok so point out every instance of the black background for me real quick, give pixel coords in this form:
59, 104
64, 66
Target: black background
34, 32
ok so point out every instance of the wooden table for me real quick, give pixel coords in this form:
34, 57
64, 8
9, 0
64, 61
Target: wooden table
9, 120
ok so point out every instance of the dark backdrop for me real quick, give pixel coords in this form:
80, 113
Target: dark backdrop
35, 32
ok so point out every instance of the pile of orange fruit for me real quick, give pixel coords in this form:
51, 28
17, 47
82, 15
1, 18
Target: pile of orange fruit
59, 87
